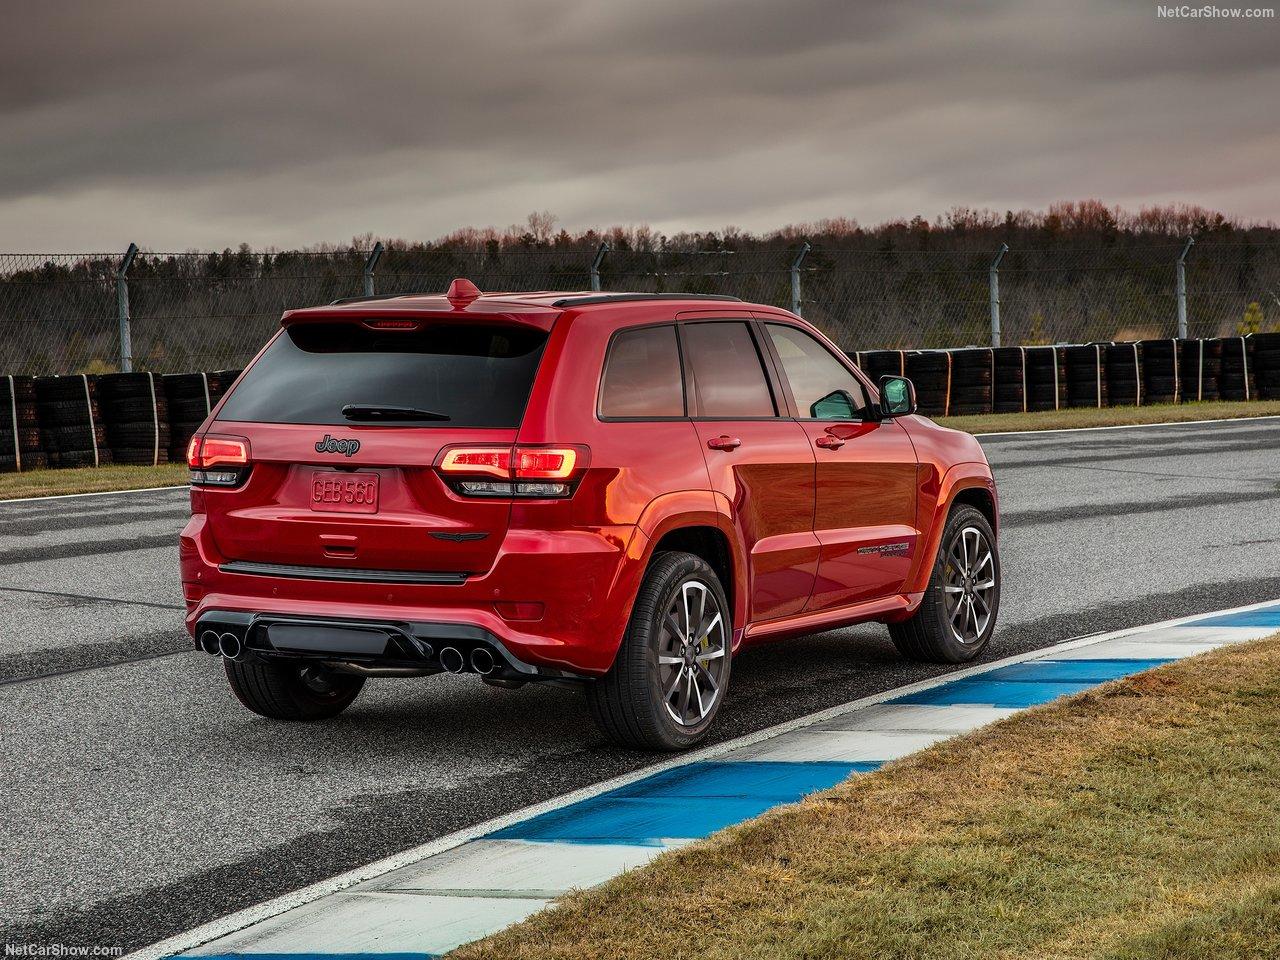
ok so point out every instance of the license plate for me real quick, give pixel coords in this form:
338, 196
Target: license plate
344, 492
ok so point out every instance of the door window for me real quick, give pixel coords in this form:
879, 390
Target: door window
823, 387
642, 376
727, 376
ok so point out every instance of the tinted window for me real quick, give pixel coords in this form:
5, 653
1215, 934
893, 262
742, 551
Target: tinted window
642, 375
728, 379
476, 376
814, 375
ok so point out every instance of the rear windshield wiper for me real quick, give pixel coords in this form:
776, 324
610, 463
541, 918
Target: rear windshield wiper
381, 411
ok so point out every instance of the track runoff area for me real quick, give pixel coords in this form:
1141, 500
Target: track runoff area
458, 889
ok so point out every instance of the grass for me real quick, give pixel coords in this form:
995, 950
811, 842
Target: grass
1140, 820
39, 483
42, 483
1113, 416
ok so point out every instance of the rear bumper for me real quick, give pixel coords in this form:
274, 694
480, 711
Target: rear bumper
585, 580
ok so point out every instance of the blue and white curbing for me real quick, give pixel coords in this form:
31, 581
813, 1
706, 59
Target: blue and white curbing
426, 901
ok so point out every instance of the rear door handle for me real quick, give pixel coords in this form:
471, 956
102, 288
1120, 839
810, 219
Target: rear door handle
724, 443
828, 442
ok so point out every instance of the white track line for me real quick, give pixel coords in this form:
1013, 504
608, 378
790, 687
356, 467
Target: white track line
223, 926
1130, 426
96, 493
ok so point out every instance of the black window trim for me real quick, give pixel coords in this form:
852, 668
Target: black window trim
764, 322
684, 386
765, 367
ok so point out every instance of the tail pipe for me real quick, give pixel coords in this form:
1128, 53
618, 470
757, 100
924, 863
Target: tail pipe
230, 647
209, 642
451, 660
482, 661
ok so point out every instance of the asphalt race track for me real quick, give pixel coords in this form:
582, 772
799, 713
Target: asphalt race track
140, 799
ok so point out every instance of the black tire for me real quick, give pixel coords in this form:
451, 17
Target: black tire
627, 703
928, 636
280, 690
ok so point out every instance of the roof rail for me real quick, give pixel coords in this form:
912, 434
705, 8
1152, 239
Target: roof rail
380, 296
624, 297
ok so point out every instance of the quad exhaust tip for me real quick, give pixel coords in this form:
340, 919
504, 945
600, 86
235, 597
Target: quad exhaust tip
482, 661
209, 642
451, 660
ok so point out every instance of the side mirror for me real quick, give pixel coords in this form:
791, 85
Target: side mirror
836, 405
897, 397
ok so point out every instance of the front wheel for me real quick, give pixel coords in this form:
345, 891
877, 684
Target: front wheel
672, 670
291, 691
957, 616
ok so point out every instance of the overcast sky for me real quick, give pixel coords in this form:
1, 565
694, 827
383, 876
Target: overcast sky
181, 125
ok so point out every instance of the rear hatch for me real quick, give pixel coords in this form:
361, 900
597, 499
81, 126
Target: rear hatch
345, 420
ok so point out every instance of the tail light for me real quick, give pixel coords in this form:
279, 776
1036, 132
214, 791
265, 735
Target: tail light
532, 472
217, 461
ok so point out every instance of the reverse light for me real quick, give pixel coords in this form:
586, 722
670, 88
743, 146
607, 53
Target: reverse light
532, 472
229, 454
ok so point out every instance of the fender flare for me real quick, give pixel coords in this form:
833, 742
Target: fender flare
695, 508
960, 477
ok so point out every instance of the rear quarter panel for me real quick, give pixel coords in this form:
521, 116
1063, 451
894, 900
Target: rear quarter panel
643, 477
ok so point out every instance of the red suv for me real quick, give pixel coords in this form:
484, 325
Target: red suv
616, 490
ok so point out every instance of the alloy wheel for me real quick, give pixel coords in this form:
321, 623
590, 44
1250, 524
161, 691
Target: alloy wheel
692, 651
969, 585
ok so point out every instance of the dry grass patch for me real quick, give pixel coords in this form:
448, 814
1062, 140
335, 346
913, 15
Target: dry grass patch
1113, 416
44, 483
1138, 820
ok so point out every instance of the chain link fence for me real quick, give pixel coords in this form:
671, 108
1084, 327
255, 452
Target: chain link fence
65, 313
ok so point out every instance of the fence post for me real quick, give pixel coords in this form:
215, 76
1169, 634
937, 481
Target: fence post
122, 309
795, 279
371, 265
993, 284
1182, 288
595, 265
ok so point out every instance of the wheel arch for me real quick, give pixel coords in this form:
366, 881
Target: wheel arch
690, 522
964, 483
981, 499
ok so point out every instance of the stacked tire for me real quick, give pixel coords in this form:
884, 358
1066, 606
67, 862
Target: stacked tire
1046, 383
883, 363
1238, 379
1086, 375
930, 371
1124, 374
71, 422
136, 413
190, 400
1009, 389
21, 447
1266, 355
1200, 363
972, 376
1161, 382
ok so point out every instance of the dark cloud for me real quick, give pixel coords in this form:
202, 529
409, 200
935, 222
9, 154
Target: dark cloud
281, 123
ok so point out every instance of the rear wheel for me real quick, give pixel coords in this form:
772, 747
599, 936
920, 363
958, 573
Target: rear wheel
291, 691
672, 670
957, 616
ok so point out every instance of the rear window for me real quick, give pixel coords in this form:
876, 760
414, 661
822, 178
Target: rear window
475, 376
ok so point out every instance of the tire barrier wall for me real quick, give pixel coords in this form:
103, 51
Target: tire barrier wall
976, 380
87, 420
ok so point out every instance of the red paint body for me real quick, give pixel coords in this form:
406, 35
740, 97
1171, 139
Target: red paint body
814, 514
